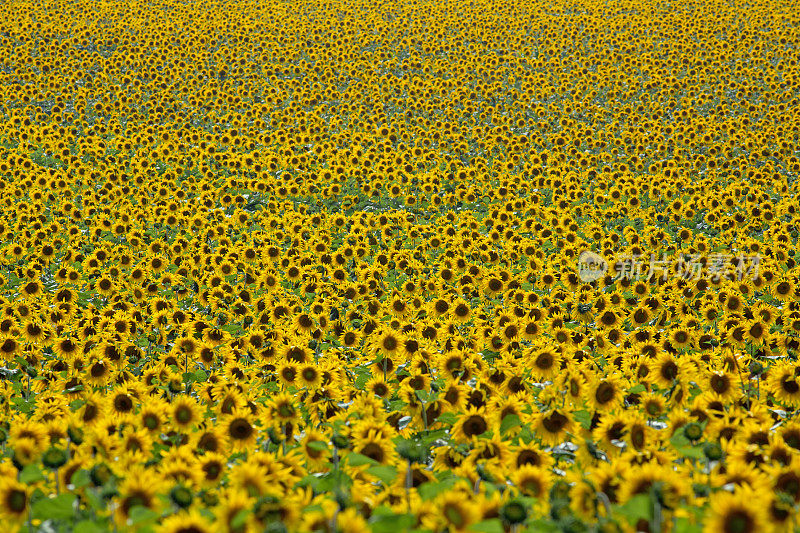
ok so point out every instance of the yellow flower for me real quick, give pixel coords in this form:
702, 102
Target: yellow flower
741, 511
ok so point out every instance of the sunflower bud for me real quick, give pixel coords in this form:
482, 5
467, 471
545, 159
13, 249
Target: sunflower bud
175, 385
100, 474
274, 438
484, 474
514, 512
712, 451
756, 368
701, 490
210, 499
340, 441
275, 527
181, 496
560, 490
342, 499
75, 434
54, 458
693, 431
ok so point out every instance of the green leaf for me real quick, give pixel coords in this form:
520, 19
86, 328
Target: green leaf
682, 525
58, 508
331, 481
493, 525
684, 447
80, 479
308, 481
447, 418
637, 508
430, 437
426, 396
94, 500
87, 526
141, 515
385, 473
240, 519
430, 490
584, 418
317, 446
509, 422
637, 389
31, 474
389, 523
356, 459
543, 526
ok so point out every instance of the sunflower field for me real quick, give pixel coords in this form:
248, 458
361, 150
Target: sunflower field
433, 266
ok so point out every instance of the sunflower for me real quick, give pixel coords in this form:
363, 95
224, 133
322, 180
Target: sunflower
667, 370
232, 503
283, 410
9, 347
377, 447
140, 489
724, 384
640, 316
288, 374
349, 338
191, 521
641, 478
455, 394
378, 386
783, 288
532, 481
607, 319
389, 344
610, 431
216, 336
605, 392
303, 323
213, 467
545, 363
454, 513
315, 450
14, 500
680, 337
640, 434
757, 332
653, 405
741, 511
493, 285
471, 424
462, 312
553, 426
451, 364
310, 376
34, 332
65, 347
209, 439
784, 384
136, 441
240, 429
184, 412
439, 307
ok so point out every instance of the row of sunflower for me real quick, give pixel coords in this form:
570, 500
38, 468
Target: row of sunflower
272, 266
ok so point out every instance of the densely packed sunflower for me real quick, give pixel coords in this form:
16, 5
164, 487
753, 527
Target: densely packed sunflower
343, 266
